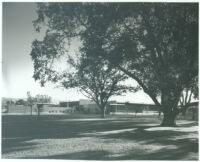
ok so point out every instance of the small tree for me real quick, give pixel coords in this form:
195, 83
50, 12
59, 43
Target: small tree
43, 98
21, 102
188, 93
185, 100
39, 108
30, 101
40, 100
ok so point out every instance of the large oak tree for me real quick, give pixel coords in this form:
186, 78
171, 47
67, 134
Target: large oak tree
156, 44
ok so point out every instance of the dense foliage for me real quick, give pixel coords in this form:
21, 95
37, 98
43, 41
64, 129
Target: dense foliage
156, 44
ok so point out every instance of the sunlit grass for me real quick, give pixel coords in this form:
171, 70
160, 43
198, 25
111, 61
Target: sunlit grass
113, 138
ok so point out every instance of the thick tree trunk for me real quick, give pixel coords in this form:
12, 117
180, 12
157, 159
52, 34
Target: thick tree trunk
169, 119
169, 103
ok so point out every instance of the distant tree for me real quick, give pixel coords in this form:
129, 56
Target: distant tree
43, 98
30, 101
39, 109
21, 102
38, 99
93, 77
96, 80
156, 44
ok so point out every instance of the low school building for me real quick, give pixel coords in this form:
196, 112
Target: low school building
122, 107
19, 109
55, 109
45, 109
90, 107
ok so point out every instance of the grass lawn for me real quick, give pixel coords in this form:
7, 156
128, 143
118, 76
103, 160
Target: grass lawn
91, 138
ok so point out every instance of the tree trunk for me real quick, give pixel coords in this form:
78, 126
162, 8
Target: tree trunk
38, 112
169, 103
169, 119
31, 110
103, 112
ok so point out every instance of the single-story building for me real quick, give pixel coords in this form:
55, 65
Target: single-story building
44, 109
131, 107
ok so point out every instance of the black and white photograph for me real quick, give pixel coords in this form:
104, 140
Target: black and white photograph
108, 80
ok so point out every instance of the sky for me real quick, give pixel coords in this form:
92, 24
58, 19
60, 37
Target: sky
17, 67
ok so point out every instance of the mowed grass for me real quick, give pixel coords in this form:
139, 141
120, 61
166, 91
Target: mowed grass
88, 137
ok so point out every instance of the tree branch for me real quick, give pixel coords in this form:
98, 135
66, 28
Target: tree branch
146, 90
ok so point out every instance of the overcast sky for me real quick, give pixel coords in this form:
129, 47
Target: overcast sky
17, 66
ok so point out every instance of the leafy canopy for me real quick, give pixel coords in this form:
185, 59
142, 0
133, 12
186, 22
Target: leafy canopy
94, 77
154, 43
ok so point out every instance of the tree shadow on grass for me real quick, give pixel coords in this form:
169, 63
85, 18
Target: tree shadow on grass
182, 144
82, 155
163, 154
13, 145
181, 153
60, 129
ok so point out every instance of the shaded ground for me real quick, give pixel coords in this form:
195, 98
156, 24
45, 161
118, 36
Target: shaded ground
91, 138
